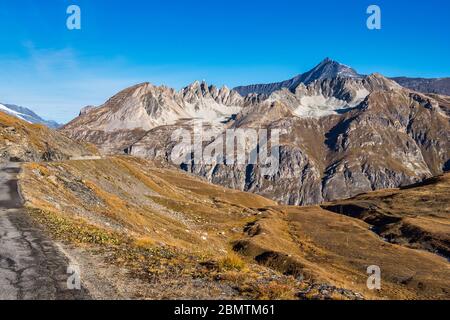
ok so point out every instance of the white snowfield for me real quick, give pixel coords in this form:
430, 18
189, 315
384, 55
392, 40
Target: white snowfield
317, 105
13, 113
26, 115
209, 110
138, 116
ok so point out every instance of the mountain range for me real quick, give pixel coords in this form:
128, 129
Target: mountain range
342, 133
27, 115
329, 69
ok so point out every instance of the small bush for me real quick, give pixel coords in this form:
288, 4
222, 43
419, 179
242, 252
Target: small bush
276, 291
231, 262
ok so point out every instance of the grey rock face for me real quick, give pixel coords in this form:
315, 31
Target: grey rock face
393, 138
86, 110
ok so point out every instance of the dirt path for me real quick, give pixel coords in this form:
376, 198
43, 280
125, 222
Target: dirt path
31, 265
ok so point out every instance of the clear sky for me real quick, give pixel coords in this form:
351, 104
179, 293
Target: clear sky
56, 71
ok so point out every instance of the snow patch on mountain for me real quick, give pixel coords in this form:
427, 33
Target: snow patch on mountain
13, 113
27, 115
319, 106
211, 111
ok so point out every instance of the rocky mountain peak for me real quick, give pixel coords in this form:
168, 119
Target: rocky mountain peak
328, 69
87, 109
341, 133
198, 87
132, 97
201, 90
197, 90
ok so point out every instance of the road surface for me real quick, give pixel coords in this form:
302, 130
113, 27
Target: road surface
31, 265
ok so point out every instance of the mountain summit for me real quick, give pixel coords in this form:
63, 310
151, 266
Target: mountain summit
327, 69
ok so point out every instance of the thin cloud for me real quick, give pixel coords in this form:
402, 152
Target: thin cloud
57, 82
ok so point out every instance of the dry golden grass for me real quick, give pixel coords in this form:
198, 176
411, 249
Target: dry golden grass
231, 262
331, 248
37, 139
191, 224
416, 216
75, 230
145, 242
167, 206
277, 291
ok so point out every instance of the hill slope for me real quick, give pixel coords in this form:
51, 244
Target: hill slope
22, 141
171, 221
416, 216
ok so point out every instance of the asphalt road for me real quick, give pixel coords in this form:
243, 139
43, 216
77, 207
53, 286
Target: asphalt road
32, 267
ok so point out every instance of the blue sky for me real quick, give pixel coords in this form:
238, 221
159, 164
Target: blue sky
56, 71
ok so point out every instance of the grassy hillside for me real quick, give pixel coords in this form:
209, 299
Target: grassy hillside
333, 248
190, 239
22, 141
416, 216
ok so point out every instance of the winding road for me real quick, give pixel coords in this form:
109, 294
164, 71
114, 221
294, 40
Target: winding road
32, 267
